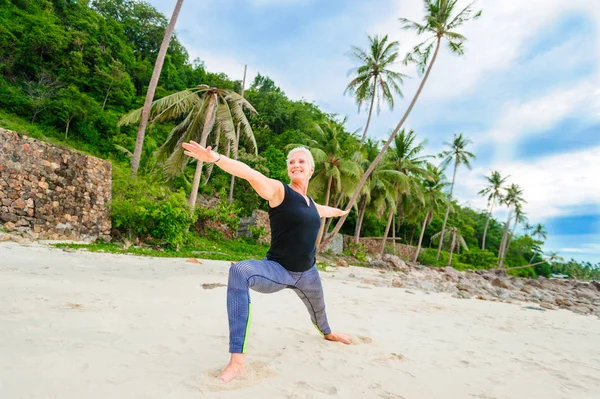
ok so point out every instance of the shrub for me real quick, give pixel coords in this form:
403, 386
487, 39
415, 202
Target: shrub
479, 259
140, 209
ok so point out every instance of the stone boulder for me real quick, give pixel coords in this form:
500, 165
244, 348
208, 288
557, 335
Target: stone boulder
396, 263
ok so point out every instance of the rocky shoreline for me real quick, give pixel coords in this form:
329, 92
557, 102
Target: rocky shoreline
582, 297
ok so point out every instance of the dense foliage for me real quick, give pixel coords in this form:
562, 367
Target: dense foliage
69, 70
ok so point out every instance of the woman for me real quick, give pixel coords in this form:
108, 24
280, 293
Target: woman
290, 261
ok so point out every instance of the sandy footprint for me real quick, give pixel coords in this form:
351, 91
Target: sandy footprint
361, 339
254, 373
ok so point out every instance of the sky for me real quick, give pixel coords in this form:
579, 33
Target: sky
526, 92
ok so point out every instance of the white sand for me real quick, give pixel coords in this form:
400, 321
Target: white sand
85, 325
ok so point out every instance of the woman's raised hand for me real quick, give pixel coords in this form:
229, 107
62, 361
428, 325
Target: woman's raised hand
195, 150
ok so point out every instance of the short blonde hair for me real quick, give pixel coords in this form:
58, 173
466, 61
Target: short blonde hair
305, 150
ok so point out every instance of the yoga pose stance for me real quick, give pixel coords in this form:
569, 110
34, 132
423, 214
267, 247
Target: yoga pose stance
290, 261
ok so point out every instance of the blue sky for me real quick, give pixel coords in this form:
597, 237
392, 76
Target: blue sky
527, 91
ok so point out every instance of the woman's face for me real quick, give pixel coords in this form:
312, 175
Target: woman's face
299, 168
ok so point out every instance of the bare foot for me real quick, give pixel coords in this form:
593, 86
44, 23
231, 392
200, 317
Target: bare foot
233, 369
343, 338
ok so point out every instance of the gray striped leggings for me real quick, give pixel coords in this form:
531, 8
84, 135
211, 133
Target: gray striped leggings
267, 276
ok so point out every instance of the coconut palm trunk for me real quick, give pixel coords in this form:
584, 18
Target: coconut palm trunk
447, 211
205, 131
487, 224
387, 230
371, 167
139, 142
361, 215
452, 246
501, 251
236, 145
337, 203
421, 237
321, 229
364, 136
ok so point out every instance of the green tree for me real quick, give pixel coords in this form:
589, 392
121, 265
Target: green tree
493, 191
379, 192
404, 156
433, 199
208, 111
440, 23
458, 154
374, 79
514, 198
520, 217
539, 232
456, 238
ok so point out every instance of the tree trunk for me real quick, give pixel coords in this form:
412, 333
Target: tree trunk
369, 170
534, 254
364, 136
321, 229
487, 223
501, 252
139, 142
68, 124
452, 247
510, 237
237, 142
337, 203
447, 211
387, 230
210, 114
421, 237
394, 234
526, 266
106, 97
361, 215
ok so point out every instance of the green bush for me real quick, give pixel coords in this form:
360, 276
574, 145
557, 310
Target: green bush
224, 214
141, 209
479, 259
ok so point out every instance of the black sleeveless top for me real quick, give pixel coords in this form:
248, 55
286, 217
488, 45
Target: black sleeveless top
294, 229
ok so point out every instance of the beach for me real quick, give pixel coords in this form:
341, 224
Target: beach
76, 324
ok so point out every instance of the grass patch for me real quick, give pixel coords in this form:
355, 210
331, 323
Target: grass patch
200, 247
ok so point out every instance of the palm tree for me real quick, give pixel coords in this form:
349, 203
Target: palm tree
379, 193
493, 192
143, 120
440, 24
334, 164
373, 78
460, 156
457, 238
540, 232
433, 198
513, 197
210, 113
404, 157
519, 218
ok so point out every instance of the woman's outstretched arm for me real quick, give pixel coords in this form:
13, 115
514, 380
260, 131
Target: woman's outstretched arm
328, 212
269, 189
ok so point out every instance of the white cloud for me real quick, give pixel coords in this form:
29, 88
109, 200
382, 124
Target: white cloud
494, 41
553, 185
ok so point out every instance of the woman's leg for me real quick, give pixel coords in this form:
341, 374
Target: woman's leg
310, 290
263, 276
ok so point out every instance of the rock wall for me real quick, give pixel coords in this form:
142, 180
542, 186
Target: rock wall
49, 192
258, 219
